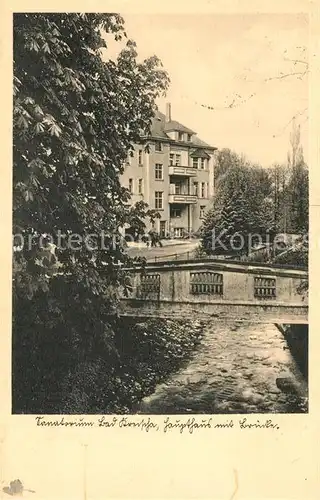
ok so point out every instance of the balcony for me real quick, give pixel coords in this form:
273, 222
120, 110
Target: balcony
182, 198
182, 171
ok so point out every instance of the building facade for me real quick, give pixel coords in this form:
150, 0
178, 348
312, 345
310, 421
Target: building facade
174, 174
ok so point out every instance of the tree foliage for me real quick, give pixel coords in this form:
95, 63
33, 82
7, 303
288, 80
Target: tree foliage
242, 203
291, 189
252, 200
76, 115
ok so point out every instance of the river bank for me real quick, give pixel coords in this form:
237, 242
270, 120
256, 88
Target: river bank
146, 354
297, 338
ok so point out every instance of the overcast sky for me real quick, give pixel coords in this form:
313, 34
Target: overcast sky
213, 60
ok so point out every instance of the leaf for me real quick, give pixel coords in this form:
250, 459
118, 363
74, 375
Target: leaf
33, 163
35, 181
54, 129
22, 122
34, 46
39, 128
37, 109
28, 196
46, 48
28, 100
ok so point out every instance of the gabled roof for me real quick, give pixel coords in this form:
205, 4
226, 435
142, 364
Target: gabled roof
159, 128
174, 125
199, 153
198, 142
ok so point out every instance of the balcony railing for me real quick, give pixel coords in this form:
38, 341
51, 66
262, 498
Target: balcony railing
182, 171
182, 198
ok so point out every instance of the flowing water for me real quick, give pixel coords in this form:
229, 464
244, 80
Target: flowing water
234, 370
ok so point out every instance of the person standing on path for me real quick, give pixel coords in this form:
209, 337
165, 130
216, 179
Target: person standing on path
155, 239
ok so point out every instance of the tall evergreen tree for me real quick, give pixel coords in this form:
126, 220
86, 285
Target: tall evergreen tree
242, 205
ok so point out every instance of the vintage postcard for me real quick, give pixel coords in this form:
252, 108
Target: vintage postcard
161, 210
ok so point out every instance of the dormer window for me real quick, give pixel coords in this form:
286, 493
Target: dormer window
195, 162
180, 136
189, 137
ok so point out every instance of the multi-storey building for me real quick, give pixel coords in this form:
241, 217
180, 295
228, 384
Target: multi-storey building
175, 176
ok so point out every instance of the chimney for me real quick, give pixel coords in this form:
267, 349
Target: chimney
168, 112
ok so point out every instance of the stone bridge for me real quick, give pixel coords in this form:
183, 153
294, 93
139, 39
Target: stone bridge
217, 289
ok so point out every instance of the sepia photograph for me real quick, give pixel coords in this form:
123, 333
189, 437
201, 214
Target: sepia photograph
160, 214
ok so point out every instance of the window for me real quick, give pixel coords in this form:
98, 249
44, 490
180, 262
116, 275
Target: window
131, 185
175, 213
140, 186
178, 188
195, 162
158, 171
202, 164
158, 199
189, 137
140, 161
175, 159
162, 231
159, 146
178, 232
203, 189
202, 209
195, 188
180, 136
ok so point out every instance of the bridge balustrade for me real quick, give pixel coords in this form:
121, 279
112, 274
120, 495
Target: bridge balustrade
219, 288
